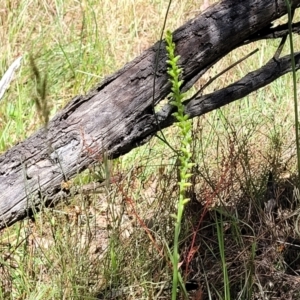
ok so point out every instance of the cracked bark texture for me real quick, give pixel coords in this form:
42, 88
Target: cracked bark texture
117, 115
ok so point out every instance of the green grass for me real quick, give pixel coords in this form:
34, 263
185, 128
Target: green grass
118, 236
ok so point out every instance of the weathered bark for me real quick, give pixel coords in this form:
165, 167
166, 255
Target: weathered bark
118, 114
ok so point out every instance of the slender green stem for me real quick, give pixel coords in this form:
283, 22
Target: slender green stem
223, 259
184, 155
290, 17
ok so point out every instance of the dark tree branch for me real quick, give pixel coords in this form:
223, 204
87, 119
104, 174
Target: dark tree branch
200, 105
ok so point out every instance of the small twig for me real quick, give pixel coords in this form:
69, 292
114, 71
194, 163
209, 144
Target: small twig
222, 72
280, 47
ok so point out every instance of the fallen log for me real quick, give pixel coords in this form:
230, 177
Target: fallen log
117, 115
